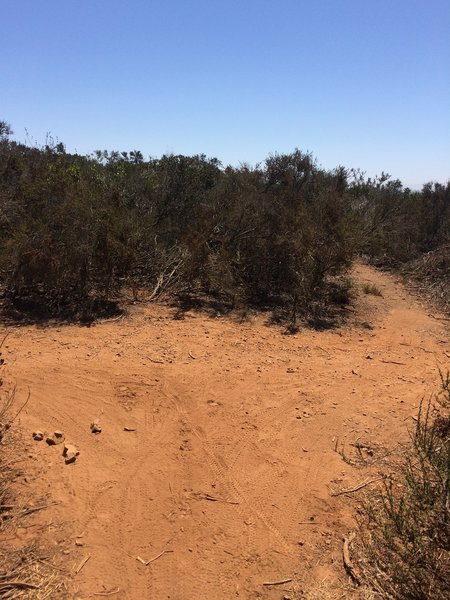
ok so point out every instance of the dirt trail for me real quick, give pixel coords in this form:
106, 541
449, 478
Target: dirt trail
233, 459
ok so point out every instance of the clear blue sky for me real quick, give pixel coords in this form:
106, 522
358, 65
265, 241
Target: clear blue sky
363, 83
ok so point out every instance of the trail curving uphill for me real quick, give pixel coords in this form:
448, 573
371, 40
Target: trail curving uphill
226, 482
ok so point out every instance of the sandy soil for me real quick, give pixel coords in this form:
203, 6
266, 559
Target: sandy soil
231, 466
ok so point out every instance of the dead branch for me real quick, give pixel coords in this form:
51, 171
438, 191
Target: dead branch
4, 338
348, 565
147, 562
23, 585
393, 362
214, 499
357, 487
278, 582
23, 405
29, 511
82, 563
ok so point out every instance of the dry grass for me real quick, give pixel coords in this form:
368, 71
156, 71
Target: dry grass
404, 545
370, 288
24, 572
431, 276
326, 590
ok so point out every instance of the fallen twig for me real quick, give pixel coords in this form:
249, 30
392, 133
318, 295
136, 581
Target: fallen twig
29, 511
11, 401
112, 321
278, 582
4, 338
110, 593
191, 355
147, 562
82, 563
214, 499
393, 362
439, 318
357, 487
348, 565
17, 584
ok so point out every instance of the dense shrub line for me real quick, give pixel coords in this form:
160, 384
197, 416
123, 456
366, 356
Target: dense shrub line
408, 232
75, 229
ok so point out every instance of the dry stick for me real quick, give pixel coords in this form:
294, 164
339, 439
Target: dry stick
214, 499
358, 487
147, 562
278, 582
82, 563
4, 338
23, 405
49, 564
113, 321
348, 565
158, 556
191, 355
393, 362
18, 584
439, 318
29, 511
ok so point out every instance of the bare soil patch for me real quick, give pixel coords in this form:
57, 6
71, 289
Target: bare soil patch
224, 445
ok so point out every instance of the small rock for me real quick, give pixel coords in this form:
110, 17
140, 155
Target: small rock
369, 357
38, 436
56, 438
95, 428
70, 453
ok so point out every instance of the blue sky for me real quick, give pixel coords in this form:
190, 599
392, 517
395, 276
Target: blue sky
362, 83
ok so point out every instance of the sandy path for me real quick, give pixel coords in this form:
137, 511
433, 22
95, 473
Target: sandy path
234, 448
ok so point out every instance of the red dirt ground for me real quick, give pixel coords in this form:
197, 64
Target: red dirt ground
233, 461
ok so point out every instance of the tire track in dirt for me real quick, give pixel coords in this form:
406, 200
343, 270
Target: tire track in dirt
194, 587
138, 516
223, 473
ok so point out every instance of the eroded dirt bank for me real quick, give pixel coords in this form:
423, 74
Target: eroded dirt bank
233, 459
